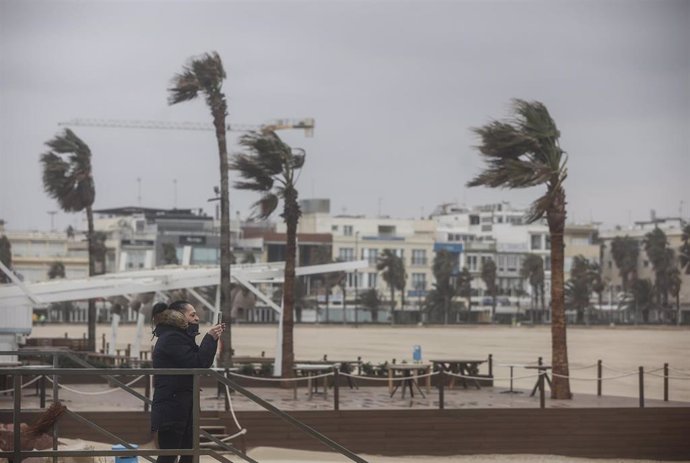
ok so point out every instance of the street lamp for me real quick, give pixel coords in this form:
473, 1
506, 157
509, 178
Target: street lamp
356, 276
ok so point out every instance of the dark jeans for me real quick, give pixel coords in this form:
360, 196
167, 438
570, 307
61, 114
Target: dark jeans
170, 437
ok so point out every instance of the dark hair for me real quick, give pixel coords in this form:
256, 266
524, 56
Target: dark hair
180, 306
158, 307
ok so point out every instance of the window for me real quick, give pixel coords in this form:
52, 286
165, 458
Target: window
372, 279
346, 254
347, 230
202, 256
536, 242
419, 281
486, 228
419, 257
547, 263
334, 228
371, 255
512, 263
474, 220
387, 230
547, 241
472, 263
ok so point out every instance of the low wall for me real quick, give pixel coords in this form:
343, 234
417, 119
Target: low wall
646, 433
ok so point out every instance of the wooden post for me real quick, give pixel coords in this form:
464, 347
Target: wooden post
599, 378
665, 382
128, 351
491, 365
542, 397
336, 389
641, 374
540, 361
441, 386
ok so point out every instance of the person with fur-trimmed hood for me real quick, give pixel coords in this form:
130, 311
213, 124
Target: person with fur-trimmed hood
176, 326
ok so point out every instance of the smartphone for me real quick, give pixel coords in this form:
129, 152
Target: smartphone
220, 318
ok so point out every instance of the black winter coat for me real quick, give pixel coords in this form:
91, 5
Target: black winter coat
172, 396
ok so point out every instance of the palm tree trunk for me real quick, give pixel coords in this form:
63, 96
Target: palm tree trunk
559, 347
392, 305
225, 357
91, 314
291, 217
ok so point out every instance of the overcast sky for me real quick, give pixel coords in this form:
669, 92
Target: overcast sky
394, 87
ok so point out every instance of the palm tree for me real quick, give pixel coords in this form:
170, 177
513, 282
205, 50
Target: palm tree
488, 276
465, 288
578, 289
56, 270
643, 298
271, 168
393, 273
533, 271
205, 74
68, 178
5, 257
372, 301
625, 251
674, 284
684, 254
170, 254
442, 268
521, 153
661, 256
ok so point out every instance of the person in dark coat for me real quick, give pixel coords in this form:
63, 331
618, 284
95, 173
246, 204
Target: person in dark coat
176, 326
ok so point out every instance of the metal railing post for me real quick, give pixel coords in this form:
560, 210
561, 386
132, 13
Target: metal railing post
491, 365
441, 386
42, 391
147, 390
599, 378
641, 375
17, 380
665, 382
542, 396
336, 389
56, 398
195, 417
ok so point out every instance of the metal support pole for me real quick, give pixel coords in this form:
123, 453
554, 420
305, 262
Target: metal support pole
147, 391
599, 378
42, 391
336, 389
441, 386
195, 418
56, 399
641, 374
491, 365
17, 418
542, 396
665, 382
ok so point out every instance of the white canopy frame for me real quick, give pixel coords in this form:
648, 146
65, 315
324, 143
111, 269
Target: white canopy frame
24, 296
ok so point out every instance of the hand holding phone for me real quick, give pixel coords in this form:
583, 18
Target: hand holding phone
220, 321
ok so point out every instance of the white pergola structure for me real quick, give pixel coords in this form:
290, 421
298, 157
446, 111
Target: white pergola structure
18, 299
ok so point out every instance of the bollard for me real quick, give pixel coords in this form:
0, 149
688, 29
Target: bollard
665, 382
542, 397
441, 386
641, 387
599, 378
359, 365
336, 389
491, 365
540, 361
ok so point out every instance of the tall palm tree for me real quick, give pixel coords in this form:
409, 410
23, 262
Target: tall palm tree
625, 252
372, 301
68, 178
393, 273
674, 284
661, 256
533, 271
442, 268
465, 288
684, 250
524, 152
56, 270
205, 74
271, 167
488, 276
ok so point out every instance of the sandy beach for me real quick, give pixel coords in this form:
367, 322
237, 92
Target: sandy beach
621, 348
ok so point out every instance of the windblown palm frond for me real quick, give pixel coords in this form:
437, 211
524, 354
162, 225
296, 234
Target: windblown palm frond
203, 73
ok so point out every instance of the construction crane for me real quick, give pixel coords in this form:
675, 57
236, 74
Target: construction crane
307, 124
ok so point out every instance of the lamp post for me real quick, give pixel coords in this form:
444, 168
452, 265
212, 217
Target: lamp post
356, 277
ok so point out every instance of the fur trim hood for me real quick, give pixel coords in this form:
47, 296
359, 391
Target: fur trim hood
172, 318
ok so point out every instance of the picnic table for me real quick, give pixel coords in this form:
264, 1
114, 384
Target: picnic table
409, 372
311, 371
459, 367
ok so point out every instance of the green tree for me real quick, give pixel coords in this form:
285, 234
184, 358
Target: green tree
465, 288
674, 284
625, 252
524, 152
270, 168
488, 276
684, 250
443, 268
643, 298
5, 257
533, 271
393, 273
68, 178
372, 301
204, 75
56, 270
579, 288
661, 256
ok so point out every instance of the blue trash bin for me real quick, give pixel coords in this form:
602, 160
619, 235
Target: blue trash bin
125, 459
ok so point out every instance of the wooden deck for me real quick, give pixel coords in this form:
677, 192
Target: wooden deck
646, 433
